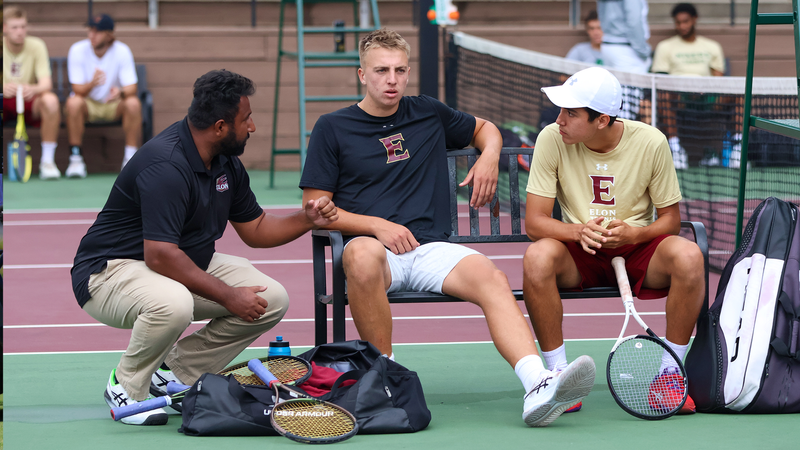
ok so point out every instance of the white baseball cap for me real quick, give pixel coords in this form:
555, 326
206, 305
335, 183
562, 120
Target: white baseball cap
594, 88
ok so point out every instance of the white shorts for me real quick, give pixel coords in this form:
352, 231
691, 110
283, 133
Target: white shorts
425, 267
623, 57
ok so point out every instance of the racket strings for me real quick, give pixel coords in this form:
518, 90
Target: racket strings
635, 375
286, 370
311, 419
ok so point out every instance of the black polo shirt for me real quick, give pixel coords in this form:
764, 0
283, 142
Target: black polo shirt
165, 193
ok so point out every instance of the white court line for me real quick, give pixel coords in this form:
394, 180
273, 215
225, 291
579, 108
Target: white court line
300, 347
30, 223
349, 319
254, 262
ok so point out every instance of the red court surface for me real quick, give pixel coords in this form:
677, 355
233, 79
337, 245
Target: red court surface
41, 314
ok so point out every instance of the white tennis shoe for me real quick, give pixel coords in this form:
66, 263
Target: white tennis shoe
556, 392
116, 396
76, 168
49, 171
158, 385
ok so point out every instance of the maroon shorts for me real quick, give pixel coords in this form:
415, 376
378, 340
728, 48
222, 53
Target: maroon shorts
596, 270
10, 111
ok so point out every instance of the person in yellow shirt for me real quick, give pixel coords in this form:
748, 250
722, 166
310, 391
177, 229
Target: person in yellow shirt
689, 54
618, 191
27, 64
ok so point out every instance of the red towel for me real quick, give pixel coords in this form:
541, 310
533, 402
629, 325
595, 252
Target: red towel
321, 380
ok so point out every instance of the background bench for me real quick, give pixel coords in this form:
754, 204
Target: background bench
507, 198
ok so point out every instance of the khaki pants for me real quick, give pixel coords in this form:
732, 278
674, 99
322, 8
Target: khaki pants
127, 294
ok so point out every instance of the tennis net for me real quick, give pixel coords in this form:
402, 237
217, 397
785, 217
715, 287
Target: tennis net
702, 118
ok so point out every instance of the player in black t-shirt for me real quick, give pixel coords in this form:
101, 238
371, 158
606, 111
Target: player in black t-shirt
384, 162
149, 261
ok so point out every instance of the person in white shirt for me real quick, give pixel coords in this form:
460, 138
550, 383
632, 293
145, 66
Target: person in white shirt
104, 88
589, 52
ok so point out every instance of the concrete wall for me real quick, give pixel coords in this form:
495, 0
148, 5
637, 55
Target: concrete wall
177, 54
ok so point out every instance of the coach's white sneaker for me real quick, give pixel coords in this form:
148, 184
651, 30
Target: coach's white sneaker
158, 386
76, 168
556, 392
116, 396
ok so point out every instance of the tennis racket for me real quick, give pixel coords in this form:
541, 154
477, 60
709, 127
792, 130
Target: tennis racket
19, 148
287, 369
634, 372
150, 404
304, 418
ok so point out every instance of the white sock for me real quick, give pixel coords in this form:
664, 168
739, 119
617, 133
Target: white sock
528, 370
391, 357
666, 358
674, 144
129, 151
556, 359
48, 152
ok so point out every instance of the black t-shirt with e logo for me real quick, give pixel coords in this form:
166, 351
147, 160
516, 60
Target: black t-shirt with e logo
391, 167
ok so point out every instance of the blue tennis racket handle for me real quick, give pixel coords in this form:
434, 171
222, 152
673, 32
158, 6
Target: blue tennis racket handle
174, 387
261, 372
136, 408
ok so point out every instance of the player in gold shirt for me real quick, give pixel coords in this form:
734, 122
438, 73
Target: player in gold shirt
619, 194
27, 64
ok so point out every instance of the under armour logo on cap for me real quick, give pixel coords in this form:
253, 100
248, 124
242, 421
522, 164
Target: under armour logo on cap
598, 89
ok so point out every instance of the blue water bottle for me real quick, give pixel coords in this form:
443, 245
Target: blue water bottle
279, 347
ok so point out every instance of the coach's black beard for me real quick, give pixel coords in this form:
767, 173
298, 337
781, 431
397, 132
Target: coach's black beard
230, 146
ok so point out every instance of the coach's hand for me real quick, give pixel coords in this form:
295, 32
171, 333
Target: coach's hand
395, 237
592, 235
246, 304
321, 212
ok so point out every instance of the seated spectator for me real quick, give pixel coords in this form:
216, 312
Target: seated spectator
686, 53
104, 87
589, 52
26, 63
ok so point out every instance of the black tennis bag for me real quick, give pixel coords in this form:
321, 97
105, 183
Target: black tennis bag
746, 354
385, 398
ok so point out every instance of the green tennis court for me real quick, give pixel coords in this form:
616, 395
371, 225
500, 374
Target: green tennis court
54, 401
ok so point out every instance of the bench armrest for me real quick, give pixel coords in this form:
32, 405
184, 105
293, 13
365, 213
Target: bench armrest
320, 239
701, 239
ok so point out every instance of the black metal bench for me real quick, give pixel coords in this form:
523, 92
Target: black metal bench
62, 89
507, 195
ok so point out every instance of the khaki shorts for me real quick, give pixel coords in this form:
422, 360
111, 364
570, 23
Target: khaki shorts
102, 112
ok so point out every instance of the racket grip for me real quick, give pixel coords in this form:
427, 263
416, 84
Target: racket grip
140, 407
261, 372
174, 387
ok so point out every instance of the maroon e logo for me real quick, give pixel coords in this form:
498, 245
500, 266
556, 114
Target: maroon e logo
601, 186
394, 148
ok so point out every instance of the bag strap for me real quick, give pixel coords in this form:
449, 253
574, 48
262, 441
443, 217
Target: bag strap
792, 349
351, 375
